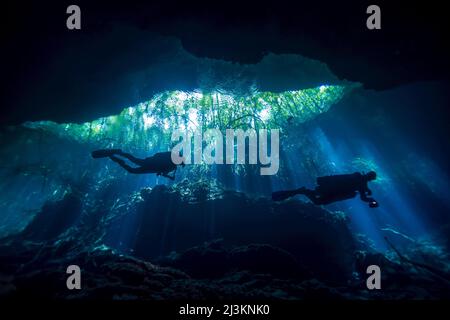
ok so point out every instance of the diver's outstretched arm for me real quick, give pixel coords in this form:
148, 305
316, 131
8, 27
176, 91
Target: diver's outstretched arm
364, 189
364, 197
372, 202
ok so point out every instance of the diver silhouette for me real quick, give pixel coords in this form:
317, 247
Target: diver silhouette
160, 163
335, 188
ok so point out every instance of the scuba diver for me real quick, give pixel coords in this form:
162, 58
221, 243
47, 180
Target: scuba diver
160, 163
335, 188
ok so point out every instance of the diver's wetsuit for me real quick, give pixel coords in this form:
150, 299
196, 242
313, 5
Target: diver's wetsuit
160, 163
335, 188
339, 187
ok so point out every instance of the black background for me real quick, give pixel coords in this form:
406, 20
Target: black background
411, 46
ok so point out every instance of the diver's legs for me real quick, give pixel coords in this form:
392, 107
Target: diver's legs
137, 161
311, 195
125, 166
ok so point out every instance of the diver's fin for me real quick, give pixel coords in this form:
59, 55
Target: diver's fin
103, 153
283, 195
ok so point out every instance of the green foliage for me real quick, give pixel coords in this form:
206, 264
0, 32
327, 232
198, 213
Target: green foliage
148, 125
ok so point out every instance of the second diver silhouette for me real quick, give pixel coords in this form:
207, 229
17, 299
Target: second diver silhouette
160, 163
335, 188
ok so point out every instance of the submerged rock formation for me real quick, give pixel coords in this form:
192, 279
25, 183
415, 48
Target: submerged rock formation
178, 218
191, 241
